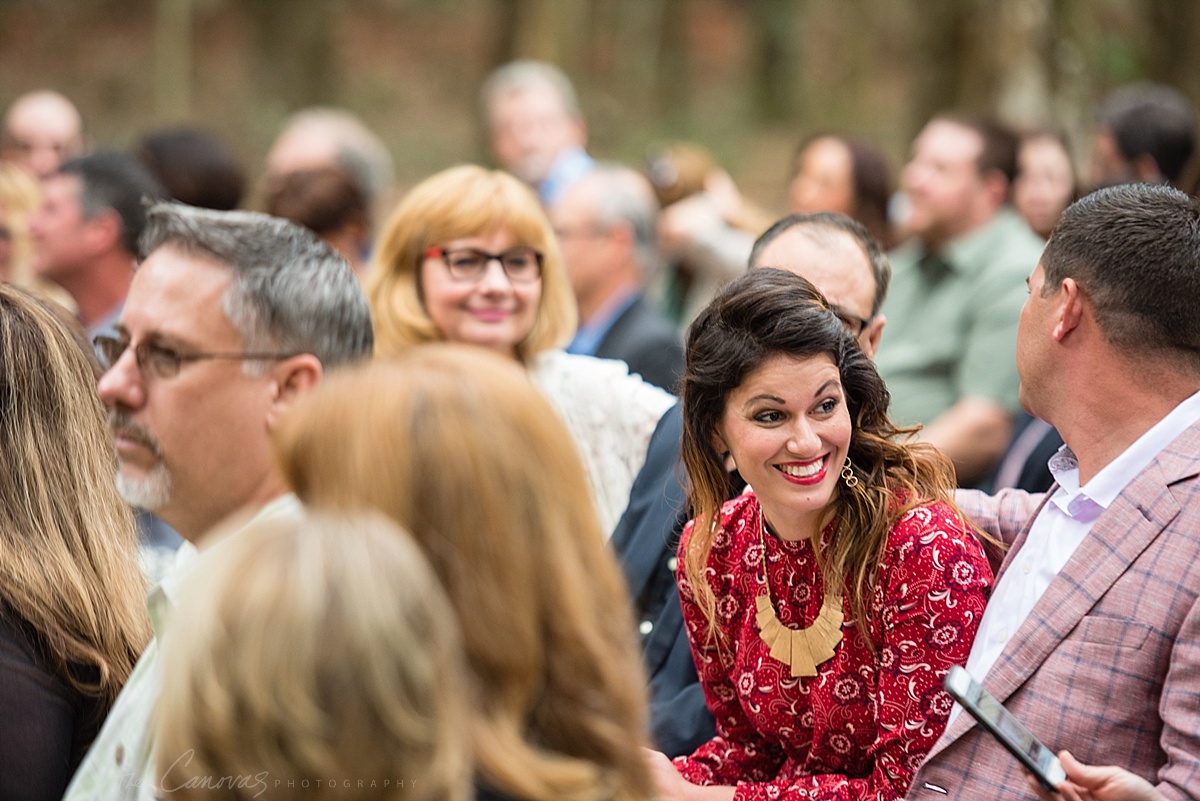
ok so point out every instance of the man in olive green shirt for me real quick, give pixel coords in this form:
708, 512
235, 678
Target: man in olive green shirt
957, 293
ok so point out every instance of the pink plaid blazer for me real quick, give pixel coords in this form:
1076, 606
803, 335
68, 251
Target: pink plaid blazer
1107, 665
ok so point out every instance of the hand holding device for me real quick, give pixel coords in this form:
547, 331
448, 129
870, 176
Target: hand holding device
1000, 723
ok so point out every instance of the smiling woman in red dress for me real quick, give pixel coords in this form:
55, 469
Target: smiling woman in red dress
825, 604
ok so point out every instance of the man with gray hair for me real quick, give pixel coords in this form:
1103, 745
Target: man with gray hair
230, 318
535, 128
605, 224
841, 258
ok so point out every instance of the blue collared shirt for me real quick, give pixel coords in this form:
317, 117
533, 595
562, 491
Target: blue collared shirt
569, 167
592, 332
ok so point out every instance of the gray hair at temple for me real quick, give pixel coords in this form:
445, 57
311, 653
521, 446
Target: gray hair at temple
291, 292
620, 195
519, 75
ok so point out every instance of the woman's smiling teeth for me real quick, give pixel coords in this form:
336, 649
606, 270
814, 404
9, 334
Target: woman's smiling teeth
803, 470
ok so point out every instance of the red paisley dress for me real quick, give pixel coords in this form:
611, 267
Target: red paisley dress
859, 728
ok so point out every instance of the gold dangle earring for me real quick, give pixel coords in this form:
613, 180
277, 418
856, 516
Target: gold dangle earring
848, 475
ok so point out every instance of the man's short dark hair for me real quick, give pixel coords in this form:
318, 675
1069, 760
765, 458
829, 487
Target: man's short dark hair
110, 180
881, 268
195, 167
1154, 120
1000, 142
1134, 250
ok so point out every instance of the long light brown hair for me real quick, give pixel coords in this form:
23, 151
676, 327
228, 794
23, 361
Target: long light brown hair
68, 570
313, 652
460, 202
768, 312
457, 445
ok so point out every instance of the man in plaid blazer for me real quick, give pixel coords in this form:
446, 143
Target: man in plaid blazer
1092, 634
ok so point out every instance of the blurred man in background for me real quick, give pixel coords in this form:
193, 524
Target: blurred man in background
535, 127
957, 292
85, 233
42, 129
605, 224
1144, 133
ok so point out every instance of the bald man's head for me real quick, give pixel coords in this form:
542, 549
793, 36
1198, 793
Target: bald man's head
841, 259
42, 129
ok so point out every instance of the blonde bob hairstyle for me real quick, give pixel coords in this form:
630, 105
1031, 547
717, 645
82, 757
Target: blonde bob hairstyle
460, 202
456, 444
313, 658
68, 569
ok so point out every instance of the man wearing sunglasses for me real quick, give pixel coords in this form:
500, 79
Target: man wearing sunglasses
230, 318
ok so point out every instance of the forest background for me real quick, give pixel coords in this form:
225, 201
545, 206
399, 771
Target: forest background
747, 78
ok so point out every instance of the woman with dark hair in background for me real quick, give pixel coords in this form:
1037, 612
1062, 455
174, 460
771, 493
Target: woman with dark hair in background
831, 172
196, 167
327, 202
1045, 184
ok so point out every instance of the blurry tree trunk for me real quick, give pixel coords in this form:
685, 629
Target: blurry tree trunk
602, 35
505, 15
939, 36
1172, 45
777, 79
531, 28
172, 58
297, 42
672, 64
1022, 39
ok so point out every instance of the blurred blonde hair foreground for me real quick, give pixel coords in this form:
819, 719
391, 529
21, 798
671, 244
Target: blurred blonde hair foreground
456, 444
315, 659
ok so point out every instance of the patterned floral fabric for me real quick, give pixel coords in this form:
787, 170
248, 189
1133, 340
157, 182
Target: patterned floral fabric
859, 728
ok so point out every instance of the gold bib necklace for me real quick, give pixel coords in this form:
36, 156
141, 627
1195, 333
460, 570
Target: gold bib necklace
800, 649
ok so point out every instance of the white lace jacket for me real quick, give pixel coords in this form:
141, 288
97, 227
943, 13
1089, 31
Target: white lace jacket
611, 415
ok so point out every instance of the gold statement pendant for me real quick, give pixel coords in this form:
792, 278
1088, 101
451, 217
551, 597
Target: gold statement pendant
800, 649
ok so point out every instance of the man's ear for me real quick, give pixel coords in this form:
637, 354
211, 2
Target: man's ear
1070, 310
294, 377
104, 231
869, 338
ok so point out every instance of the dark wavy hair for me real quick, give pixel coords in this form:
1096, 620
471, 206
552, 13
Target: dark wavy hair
765, 313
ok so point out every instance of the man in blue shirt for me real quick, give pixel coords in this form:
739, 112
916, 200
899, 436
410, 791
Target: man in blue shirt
605, 223
535, 127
